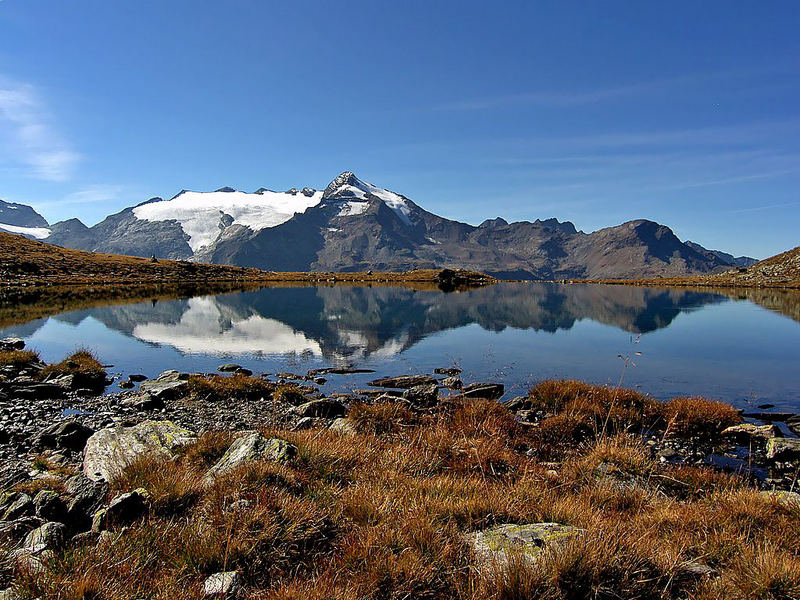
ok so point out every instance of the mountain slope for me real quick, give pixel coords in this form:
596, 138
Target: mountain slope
353, 225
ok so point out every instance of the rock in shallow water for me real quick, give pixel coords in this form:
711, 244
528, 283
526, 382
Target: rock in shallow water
403, 381
487, 391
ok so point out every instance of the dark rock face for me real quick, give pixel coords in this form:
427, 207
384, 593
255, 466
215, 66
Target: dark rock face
20, 215
126, 508
123, 233
357, 227
69, 435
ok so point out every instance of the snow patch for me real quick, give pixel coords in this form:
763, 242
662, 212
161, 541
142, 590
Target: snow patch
39, 233
199, 212
352, 209
392, 200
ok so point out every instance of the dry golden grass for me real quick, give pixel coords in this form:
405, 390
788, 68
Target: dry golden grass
383, 513
237, 386
81, 362
691, 417
18, 358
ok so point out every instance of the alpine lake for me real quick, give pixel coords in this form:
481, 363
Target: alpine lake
739, 346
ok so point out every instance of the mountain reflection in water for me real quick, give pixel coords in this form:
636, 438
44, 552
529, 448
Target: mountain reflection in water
734, 345
356, 322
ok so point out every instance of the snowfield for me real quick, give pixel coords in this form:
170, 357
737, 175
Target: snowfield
200, 213
39, 233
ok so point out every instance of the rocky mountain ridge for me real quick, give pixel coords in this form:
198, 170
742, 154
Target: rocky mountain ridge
353, 225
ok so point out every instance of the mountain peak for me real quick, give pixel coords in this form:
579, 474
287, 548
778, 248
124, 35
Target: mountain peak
341, 180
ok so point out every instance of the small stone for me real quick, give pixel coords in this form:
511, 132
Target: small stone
746, 431
448, 371
783, 449
487, 391
86, 498
321, 408
47, 537
136, 378
343, 426
50, 506
493, 545
452, 383
169, 388
16, 505
425, 395
12, 343
403, 381
143, 402
126, 508
791, 499
69, 435
100, 521
223, 585
229, 367
304, 423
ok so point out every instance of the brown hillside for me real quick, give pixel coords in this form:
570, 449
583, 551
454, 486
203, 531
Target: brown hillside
779, 271
28, 262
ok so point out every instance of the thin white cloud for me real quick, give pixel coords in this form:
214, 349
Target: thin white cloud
91, 194
765, 207
572, 98
28, 136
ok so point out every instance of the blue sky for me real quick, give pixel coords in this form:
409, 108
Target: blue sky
687, 113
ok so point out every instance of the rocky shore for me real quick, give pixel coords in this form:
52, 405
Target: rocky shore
68, 452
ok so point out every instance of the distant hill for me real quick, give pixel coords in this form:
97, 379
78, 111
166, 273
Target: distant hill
779, 271
353, 225
729, 259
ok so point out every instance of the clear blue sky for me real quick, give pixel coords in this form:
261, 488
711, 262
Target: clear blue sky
687, 113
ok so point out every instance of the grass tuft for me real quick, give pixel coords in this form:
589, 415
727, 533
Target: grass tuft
18, 358
215, 387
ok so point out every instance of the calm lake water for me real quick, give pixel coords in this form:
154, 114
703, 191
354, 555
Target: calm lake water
741, 349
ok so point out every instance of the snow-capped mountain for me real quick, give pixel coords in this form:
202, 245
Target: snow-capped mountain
22, 219
203, 216
354, 225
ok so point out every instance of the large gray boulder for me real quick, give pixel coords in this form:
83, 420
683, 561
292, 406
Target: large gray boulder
251, 446
111, 450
